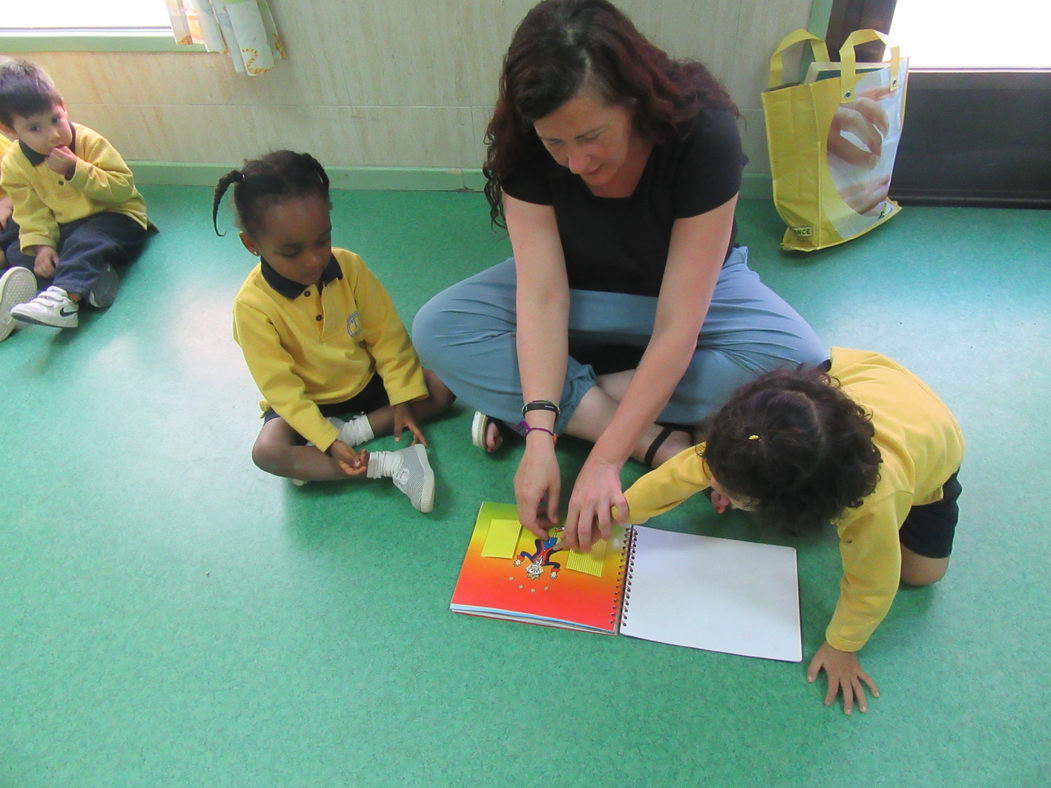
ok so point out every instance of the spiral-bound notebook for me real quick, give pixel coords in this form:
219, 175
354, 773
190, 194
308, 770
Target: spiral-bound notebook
683, 589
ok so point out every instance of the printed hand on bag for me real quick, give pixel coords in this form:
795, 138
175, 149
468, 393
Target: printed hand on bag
855, 139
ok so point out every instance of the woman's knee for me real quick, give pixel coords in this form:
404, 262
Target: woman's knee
430, 325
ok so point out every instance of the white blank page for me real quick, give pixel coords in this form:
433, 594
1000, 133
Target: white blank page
714, 594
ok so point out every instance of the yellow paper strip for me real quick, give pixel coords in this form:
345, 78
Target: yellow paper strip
589, 563
502, 539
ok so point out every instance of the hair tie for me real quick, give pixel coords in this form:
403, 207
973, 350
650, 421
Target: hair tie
753, 437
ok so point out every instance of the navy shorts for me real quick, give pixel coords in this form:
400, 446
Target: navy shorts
929, 529
372, 397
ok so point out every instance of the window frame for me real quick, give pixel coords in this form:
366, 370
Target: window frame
103, 39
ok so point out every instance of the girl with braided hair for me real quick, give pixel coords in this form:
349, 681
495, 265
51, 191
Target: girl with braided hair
863, 444
322, 338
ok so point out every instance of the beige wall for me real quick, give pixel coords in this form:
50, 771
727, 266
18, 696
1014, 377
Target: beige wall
382, 82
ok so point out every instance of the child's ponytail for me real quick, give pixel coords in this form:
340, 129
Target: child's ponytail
234, 176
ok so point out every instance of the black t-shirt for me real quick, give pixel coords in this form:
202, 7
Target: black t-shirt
620, 244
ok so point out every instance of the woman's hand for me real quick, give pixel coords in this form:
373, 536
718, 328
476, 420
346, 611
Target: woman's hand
352, 463
405, 420
597, 489
844, 675
538, 484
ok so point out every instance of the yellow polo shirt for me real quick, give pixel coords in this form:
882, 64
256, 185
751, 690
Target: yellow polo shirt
310, 346
5, 143
43, 199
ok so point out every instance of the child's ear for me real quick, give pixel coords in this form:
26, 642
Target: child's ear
9, 132
249, 244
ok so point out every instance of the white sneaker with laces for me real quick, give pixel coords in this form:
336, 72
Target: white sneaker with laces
410, 471
53, 308
17, 286
415, 477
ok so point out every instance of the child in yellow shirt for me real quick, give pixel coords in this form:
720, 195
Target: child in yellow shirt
868, 446
74, 199
322, 338
17, 285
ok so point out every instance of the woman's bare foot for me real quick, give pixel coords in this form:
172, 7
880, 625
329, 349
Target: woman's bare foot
493, 439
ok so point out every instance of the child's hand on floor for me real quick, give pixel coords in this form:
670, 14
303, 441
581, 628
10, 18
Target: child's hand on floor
844, 674
63, 161
6, 209
45, 259
353, 463
405, 420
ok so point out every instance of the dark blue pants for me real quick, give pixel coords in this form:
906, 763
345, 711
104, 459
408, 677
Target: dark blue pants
8, 236
85, 247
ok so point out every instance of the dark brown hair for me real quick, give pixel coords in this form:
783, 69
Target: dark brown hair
563, 45
796, 447
267, 180
25, 89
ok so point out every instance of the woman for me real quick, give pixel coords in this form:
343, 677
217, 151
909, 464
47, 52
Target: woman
616, 171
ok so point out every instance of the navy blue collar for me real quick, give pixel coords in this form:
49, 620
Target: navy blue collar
290, 289
36, 159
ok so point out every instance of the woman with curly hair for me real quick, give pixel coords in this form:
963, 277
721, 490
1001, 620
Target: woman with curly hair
627, 313
867, 446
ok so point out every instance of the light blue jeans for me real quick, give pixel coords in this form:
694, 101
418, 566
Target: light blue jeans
466, 334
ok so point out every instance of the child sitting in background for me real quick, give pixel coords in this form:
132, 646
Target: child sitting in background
321, 337
867, 445
74, 198
17, 285
8, 229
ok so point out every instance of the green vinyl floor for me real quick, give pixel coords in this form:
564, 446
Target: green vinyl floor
170, 615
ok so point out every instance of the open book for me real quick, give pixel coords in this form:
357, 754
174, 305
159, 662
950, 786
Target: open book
683, 589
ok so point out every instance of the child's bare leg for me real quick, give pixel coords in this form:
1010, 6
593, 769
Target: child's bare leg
279, 450
440, 398
919, 570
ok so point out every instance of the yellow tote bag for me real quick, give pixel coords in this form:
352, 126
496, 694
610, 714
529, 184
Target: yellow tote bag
832, 141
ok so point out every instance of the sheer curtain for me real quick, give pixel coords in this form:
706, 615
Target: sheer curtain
242, 29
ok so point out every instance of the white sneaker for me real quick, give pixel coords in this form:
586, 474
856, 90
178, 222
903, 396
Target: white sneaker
105, 289
17, 286
414, 477
53, 308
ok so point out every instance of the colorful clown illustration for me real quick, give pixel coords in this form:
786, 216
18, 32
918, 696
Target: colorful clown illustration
545, 548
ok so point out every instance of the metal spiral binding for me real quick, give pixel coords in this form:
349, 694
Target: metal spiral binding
627, 561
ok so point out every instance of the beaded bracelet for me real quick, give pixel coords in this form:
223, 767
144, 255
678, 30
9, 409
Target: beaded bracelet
539, 429
541, 404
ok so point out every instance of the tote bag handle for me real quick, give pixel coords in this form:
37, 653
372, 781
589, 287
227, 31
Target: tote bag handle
848, 62
777, 62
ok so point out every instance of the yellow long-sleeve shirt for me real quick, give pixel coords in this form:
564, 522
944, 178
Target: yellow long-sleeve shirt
43, 199
921, 445
5, 143
316, 346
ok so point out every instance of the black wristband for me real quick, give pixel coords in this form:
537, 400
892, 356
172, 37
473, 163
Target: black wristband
541, 404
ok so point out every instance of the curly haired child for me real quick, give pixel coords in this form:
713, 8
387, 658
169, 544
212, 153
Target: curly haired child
866, 445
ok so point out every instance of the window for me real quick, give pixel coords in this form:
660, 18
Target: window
100, 25
979, 97
76, 15
961, 34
